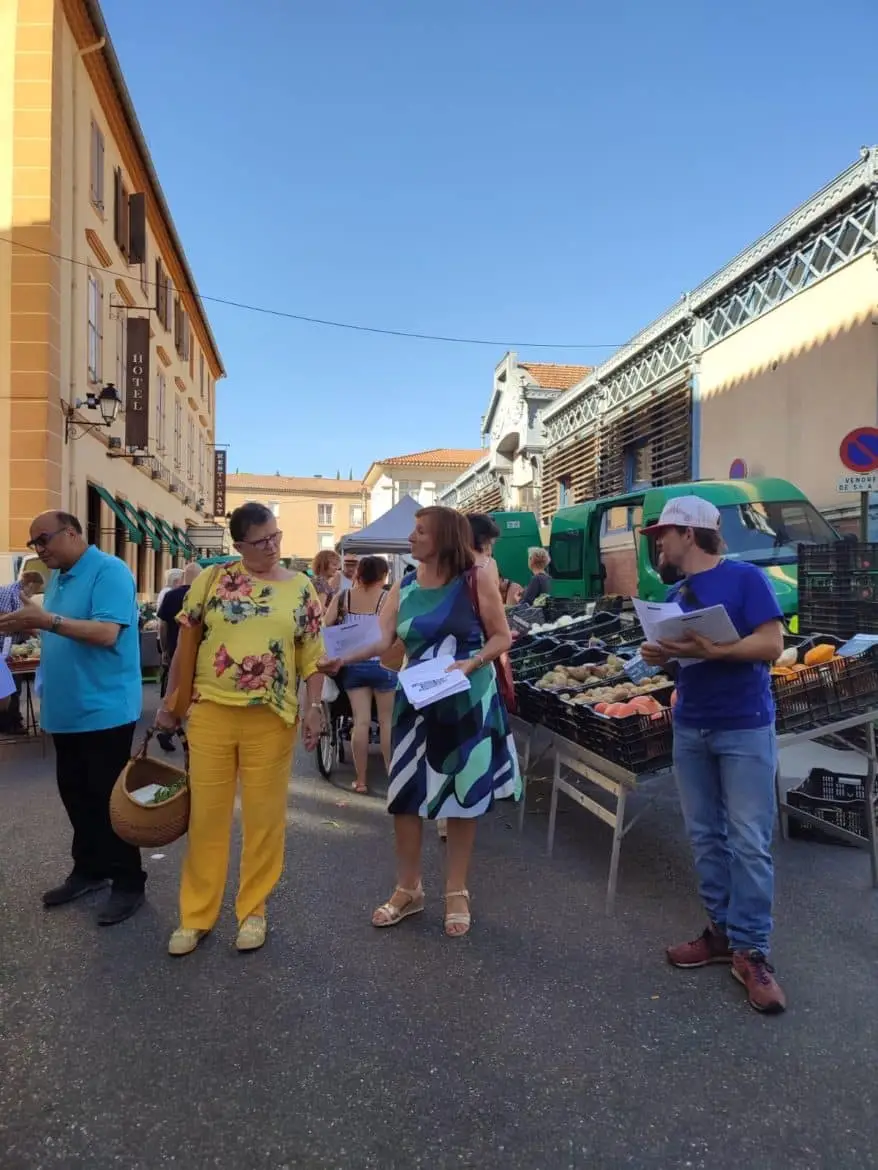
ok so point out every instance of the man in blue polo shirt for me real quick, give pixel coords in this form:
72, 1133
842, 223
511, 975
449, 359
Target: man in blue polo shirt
90, 702
725, 751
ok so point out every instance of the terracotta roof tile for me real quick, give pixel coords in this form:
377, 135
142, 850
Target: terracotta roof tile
552, 376
437, 457
264, 485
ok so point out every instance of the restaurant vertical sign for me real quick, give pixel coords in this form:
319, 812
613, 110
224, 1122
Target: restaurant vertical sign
137, 384
219, 482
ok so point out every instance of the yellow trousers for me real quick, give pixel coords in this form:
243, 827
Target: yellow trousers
226, 742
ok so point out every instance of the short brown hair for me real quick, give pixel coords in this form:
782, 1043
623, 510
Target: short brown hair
707, 539
453, 536
323, 562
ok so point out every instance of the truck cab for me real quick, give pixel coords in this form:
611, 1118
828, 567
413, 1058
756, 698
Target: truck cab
596, 548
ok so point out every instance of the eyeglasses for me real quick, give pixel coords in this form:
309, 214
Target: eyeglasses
266, 543
44, 540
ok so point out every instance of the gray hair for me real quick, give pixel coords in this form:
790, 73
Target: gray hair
537, 556
173, 578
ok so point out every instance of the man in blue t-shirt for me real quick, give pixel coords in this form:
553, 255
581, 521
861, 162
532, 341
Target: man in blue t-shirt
90, 702
725, 750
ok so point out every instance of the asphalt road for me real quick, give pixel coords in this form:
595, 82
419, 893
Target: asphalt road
551, 1038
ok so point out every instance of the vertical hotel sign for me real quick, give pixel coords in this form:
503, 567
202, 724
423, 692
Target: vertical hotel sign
137, 384
219, 482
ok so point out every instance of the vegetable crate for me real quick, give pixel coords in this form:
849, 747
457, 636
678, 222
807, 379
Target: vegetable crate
567, 606
838, 798
529, 667
637, 743
827, 693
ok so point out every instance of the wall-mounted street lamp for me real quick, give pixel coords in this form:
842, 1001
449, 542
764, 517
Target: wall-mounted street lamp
108, 402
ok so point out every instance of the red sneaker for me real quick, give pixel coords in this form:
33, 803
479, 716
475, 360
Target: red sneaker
753, 970
711, 947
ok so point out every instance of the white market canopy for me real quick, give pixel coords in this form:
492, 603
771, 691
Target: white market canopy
388, 534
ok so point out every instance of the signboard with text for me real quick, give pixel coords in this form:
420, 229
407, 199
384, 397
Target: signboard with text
137, 384
219, 482
859, 483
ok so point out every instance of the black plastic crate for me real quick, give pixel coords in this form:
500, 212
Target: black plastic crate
804, 700
838, 798
855, 681
630, 634
842, 617
573, 606
600, 626
847, 556
532, 668
522, 617
638, 743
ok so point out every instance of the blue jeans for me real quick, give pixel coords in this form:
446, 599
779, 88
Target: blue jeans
727, 790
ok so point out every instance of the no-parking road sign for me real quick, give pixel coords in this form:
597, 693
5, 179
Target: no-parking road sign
859, 450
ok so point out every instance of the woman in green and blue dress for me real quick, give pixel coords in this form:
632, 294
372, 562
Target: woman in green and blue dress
453, 759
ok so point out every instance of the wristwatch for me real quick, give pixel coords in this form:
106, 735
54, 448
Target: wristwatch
56, 622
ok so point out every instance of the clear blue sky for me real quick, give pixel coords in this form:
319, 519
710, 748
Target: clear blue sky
558, 171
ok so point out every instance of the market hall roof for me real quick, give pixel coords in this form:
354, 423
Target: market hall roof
849, 201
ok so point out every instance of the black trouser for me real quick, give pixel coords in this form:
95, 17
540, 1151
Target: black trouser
88, 764
11, 719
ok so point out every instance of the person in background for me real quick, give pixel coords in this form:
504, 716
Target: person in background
348, 571
91, 700
27, 587
454, 758
540, 582
173, 580
725, 748
261, 626
365, 680
326, 568
168, 611
510, 591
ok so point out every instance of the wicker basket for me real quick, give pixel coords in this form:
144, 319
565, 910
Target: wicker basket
150, 825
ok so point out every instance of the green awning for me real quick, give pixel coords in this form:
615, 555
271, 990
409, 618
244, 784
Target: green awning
183, 539
151, 526
170, 537
120, 511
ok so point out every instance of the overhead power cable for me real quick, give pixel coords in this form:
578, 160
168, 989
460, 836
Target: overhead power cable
285, 315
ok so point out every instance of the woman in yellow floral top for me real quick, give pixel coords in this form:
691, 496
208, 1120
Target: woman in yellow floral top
261, 637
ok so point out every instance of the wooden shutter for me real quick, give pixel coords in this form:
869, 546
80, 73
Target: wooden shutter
665, 423
117, 207
577, 466
136, 228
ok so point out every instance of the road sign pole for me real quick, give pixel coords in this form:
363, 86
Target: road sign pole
864, 516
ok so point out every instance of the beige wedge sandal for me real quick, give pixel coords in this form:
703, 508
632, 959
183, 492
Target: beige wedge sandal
393, 914
458, 919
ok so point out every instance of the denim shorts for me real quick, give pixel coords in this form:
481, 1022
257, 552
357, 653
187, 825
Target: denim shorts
367, 674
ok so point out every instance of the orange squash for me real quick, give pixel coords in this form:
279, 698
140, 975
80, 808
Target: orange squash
818, 655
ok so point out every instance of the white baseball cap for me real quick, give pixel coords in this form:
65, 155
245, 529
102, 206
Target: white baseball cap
686, 512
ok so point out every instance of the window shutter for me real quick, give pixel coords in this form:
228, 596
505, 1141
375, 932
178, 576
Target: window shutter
117, 207
136, 228
158, 288
100, 174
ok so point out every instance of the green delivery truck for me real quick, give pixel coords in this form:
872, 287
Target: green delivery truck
596, 548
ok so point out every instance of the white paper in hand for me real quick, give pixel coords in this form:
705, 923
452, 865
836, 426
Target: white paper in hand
340, 641
429, 681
